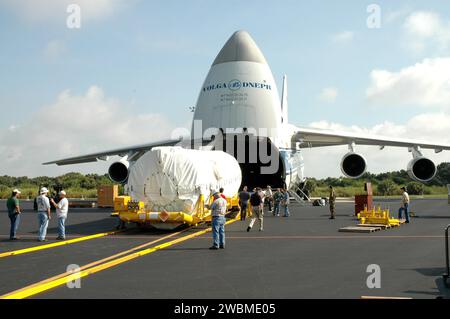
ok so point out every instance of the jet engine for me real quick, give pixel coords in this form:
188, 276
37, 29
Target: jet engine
118, 171
421, 169
353, 165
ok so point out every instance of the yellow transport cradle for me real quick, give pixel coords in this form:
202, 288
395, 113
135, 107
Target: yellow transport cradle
134, 212
377, 217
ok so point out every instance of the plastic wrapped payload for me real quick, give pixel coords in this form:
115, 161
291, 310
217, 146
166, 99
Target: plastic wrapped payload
172, 178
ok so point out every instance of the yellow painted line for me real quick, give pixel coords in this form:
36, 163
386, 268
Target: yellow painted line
49, 284
57, 244
385, 298
100, 261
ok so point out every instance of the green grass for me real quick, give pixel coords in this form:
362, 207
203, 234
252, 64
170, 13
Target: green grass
351, 191
31, 192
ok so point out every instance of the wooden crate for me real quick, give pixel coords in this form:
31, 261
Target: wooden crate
106, 195
362, 201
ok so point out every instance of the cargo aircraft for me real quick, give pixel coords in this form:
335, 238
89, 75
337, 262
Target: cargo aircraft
239, 111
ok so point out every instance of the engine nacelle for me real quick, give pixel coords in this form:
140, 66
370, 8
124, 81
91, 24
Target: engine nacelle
353, 165
118, 171
421, 169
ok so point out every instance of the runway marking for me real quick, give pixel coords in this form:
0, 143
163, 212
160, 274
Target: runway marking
115, 236
385, 298
291, 237
57, 244
34, 236
97, 266
296, 237
96, 263
334, 237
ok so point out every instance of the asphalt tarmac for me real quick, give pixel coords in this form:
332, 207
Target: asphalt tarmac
302, 256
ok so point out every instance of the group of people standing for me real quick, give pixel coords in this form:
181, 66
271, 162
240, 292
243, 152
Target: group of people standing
44, 213
257, 199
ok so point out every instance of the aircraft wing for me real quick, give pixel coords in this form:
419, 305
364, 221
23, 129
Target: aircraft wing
311, 137
135, 150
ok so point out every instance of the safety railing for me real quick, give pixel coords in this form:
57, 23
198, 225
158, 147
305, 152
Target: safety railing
297, 198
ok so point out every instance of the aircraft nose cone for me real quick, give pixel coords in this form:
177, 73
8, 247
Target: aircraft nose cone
240, 47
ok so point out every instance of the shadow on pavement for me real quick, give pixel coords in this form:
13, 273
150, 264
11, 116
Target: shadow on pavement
441, 290
87, 228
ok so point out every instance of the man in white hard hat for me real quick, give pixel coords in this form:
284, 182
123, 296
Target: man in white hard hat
13, 206
43, 206
62, 208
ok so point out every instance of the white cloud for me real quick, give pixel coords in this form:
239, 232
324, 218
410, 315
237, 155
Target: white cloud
426, 29
343, 37
90, 122
42, 10
423, 24
328, 95
431, 127
425, 84
74, 125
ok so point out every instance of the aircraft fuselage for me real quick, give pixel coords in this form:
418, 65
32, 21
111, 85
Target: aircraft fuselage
240, 106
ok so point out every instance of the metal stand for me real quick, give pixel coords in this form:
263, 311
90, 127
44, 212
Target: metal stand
447, 275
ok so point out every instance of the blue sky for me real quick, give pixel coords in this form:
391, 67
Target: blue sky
151, 57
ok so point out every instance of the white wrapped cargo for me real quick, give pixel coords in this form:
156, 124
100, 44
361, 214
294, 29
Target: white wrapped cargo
172, 178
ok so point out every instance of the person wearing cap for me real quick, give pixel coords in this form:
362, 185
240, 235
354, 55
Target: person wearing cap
62, 208
218, 211
43, 206
405, 205
13, 206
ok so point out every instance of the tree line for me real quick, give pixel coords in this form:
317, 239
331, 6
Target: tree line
76, 184
385, 184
